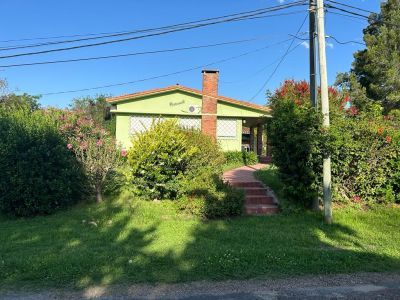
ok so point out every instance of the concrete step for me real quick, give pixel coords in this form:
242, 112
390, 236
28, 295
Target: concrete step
261, 209
255, 191
256, 200
247, 184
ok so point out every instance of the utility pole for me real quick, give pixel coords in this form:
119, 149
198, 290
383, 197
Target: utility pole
325, 109
312, 36
313, 81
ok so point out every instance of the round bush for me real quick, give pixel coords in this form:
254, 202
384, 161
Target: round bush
39, 174
167, 161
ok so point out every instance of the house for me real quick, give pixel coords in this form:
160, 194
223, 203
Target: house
236, 125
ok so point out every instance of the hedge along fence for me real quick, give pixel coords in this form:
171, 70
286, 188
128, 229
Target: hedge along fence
364, 146
39, 174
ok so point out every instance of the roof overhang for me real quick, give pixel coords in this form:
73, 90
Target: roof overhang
123, 98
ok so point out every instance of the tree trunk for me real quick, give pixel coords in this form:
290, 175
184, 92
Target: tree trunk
99, 197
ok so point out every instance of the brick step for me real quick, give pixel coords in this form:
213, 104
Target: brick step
257, 200
247, 184
265, 159
253, 191
261, 209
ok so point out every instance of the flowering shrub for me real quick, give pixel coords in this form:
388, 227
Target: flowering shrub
364, 147
93, 146
39, 175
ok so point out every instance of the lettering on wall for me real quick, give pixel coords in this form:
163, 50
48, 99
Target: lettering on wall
177, 103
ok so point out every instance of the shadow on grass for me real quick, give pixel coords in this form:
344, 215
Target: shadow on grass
109, 243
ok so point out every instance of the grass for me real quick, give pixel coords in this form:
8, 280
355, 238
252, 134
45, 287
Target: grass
150, 242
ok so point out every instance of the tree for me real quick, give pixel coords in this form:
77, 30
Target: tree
93, 147
96, 108
377, 67
12, 101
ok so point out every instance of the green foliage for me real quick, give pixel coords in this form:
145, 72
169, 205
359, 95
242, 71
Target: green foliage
364, 147
159, 160
24, 101
168, 162
297, 140
365, 158
95, 108
39, 174
376, 67
93, 147
241, 158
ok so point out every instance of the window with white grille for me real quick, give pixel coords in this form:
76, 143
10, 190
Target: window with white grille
190, 123
226, 128
142, 123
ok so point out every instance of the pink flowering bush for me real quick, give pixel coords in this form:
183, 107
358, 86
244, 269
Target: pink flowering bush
93, 146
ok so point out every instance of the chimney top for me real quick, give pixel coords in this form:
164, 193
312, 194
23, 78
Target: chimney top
210, 71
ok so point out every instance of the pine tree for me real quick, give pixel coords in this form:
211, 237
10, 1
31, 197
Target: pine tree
377, 68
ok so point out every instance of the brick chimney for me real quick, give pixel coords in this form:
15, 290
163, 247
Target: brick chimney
209, 105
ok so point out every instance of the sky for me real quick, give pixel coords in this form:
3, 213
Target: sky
241, 77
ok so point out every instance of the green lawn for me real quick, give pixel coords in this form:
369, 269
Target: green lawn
150, 242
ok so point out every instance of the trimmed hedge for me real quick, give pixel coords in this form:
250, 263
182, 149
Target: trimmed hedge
39, 174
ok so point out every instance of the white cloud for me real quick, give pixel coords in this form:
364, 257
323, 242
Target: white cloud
281, 1
305, 45
329, 45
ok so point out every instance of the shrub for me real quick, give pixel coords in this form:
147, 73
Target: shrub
364, 147
241, 157
39, 174
365, 158
168, 162
94, 148
159, 159
296, 138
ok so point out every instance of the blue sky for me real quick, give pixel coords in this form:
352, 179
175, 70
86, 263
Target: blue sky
239, 78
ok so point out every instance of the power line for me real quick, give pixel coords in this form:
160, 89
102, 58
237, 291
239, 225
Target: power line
373, 21
143, 30
259, 70
132, 53
125, 31
156, 33
280, 61
163, 75
346, 42
354, 7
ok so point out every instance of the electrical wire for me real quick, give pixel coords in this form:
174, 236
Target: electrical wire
137, 31
131, 54
346, 42
118, 32
163, 75
351, 6
150, 34
280, 61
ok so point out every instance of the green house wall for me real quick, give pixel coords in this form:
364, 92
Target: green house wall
173, 105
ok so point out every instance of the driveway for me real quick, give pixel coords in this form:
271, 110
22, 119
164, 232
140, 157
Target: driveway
355, 286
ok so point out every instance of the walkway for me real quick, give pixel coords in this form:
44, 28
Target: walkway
260, 199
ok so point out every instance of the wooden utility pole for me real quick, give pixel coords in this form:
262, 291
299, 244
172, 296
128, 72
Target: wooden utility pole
324, 109
313, 80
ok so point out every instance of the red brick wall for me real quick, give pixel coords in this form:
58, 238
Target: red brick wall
209, 105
